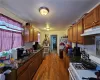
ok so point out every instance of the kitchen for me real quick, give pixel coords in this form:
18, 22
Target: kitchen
83, 24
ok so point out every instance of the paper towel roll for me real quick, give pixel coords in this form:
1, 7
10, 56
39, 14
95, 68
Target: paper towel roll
2, 77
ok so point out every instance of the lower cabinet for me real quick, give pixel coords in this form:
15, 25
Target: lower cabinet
24, 75
28, 70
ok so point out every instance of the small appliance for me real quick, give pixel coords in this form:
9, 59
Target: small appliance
20, 52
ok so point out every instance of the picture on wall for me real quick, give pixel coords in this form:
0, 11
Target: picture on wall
97, 45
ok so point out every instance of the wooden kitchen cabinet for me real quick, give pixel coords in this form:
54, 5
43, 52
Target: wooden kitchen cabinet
74, 33
97, 15
70, 36
31, 34
92, 19
24, 75
35, 35
26, 34
34, 65
32, 69
80, 30
29, 68
89, 20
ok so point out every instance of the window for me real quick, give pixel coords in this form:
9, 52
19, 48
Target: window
10, 33
6, 40
17, 40
38, 37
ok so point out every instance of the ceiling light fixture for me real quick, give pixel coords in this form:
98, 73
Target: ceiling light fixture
43, 10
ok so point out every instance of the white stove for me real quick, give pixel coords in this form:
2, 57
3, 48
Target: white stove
78, 66
77, 71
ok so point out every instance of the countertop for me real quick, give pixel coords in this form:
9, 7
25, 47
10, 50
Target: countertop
26, 58
23, 61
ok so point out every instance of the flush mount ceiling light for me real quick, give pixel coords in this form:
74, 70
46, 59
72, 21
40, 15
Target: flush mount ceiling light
47, 27
43, 11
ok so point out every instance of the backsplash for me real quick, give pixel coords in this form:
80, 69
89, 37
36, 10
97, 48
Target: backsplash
28, 45
90, 49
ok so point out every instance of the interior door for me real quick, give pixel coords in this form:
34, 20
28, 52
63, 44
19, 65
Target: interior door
53, 42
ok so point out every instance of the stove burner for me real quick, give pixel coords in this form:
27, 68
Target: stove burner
78, 66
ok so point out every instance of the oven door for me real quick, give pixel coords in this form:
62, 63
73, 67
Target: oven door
71, 75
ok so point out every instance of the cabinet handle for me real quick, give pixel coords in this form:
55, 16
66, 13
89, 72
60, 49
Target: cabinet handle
96, 21
93, 23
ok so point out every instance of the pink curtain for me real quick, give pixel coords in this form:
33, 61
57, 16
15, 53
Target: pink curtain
0, 40
6, 40
17, 40
9, 39
6, 21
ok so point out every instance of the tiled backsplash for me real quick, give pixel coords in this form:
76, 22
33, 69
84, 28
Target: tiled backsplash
28, 45
90, 49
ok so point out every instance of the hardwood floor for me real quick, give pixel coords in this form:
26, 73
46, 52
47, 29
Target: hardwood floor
52, 68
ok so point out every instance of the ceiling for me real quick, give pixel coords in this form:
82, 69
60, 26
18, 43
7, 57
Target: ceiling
62, 12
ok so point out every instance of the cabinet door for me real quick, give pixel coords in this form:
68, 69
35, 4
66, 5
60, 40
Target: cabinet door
75, 33
71, 35
26, 34
97, 15
80, 31
34, 65
32, 69
35, 35
89, 20
31, 32
24, 75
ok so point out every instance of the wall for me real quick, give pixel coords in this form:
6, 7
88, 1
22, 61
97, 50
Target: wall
58, 33
91, 50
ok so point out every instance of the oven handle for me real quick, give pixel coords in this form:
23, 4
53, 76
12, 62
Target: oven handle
71, 74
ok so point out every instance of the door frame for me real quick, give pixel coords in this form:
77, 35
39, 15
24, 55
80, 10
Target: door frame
51, 41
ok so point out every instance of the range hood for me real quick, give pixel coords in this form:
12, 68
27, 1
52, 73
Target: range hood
91, 31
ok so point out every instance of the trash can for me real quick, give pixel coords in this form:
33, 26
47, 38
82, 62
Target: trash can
61, 54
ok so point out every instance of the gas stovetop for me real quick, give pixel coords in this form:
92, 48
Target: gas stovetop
78, 66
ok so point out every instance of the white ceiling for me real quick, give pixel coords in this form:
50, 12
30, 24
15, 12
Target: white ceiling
62, 12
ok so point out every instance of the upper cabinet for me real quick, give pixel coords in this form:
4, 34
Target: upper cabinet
97, 15
31, 34
74, 33
89, 20
35, 35
92, 18
80, 30
70, 34
26, 34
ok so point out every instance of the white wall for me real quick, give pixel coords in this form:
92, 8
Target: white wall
91, 50
58, 33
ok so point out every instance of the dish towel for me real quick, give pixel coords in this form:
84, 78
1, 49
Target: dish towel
2, 76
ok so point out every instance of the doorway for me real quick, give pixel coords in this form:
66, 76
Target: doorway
53, 41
